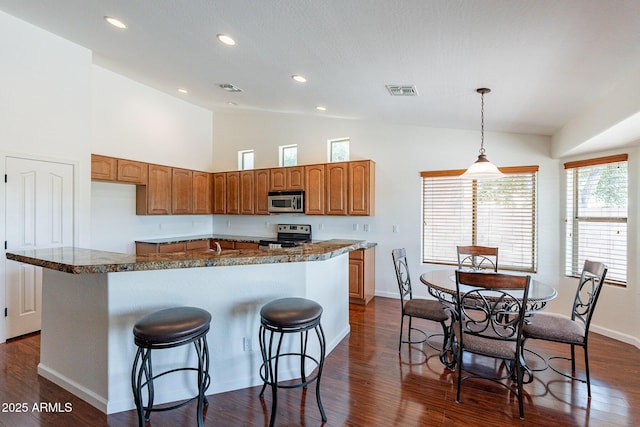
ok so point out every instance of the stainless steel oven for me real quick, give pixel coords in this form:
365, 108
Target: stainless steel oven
286, 201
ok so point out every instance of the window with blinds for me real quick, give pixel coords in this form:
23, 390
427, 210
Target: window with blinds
597, 197
500, 212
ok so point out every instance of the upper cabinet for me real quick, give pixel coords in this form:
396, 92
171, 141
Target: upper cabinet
155, 197
287, 178
181, 191
314, 190
362, 179
261, 190
220, 193
342, 188
202, 193
111, 169
336, 188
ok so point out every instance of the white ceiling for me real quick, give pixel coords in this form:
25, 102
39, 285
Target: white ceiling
545, 60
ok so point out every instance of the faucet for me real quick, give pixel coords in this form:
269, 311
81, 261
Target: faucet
218, 248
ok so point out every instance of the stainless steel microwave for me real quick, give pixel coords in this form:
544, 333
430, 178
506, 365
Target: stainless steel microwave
286, 201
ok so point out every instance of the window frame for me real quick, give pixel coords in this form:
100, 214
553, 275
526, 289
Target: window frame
449, 186
574, 255
330, 149
242, 159
281, 154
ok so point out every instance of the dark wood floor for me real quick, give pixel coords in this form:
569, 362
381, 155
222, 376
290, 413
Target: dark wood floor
366, 382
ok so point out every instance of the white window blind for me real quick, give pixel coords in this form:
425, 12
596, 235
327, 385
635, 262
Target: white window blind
596, 223
500, 212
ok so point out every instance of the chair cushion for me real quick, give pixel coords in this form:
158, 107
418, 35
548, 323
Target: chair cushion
290, 312
426, 309
553, 327
501, 349
171, 325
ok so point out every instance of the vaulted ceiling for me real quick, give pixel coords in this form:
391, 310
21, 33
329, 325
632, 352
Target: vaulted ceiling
545, 60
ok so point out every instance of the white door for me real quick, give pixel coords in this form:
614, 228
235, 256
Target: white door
39, 214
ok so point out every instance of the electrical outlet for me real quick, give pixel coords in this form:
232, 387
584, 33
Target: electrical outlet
246, 345
356, 227
365, 228
396, 228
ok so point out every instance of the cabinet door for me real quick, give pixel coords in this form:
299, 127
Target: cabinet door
103, 168
356, 278
261, 191
132, 172
246, 245
295, 178
361, 188
155, 197
168, 248
278, 179
181, 191
202, 192
336, 188
247, 192
197, 245
220, 193
233, 193
314, 190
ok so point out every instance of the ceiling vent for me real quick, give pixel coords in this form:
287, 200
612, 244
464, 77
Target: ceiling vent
398, 90
230, 88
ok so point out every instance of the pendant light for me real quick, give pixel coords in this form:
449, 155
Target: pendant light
482, 168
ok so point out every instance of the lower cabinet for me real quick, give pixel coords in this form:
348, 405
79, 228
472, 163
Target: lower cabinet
362, 275
167, 248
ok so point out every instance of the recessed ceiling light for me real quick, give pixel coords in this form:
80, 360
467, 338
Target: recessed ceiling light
115, 22
182, 90
299, 78
226, 39
321, 108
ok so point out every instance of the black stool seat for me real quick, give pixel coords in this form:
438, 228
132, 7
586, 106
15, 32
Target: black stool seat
290, 312
170, 326
286, 316
163, 329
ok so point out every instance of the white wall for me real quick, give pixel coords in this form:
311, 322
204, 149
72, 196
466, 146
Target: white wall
44, 111
401, 152
133, 121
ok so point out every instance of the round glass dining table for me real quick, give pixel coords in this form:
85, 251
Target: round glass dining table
442, 285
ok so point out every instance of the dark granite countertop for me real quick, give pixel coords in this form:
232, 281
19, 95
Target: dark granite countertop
87, 261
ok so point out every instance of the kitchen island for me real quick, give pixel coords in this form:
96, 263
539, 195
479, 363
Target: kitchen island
91, 299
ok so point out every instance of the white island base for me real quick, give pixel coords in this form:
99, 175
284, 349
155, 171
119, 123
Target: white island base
87, 320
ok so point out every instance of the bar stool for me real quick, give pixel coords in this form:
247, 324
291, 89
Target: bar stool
163, 329
286, 316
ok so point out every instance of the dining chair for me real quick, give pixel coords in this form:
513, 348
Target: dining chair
489, 320
427, 309
478, 257
575, 330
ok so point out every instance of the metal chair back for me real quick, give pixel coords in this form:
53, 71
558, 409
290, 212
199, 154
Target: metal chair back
478, 258
402, 273
588, 292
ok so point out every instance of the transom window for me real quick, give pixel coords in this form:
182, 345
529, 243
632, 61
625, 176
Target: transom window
288, 155
338, 150
597, 202
497, 212
245, 159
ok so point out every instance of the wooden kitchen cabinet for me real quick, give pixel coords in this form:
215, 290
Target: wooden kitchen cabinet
112, 169
104, 168
155, 197
289, 178
172, 247
362, 275
246, 245
262, 179
233, 193
247, 192
224, 244
336, 187
220, 193
132, 172
181, 191
361, 193
202, 193
314, 189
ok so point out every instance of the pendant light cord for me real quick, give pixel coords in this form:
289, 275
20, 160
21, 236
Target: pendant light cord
481, 122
